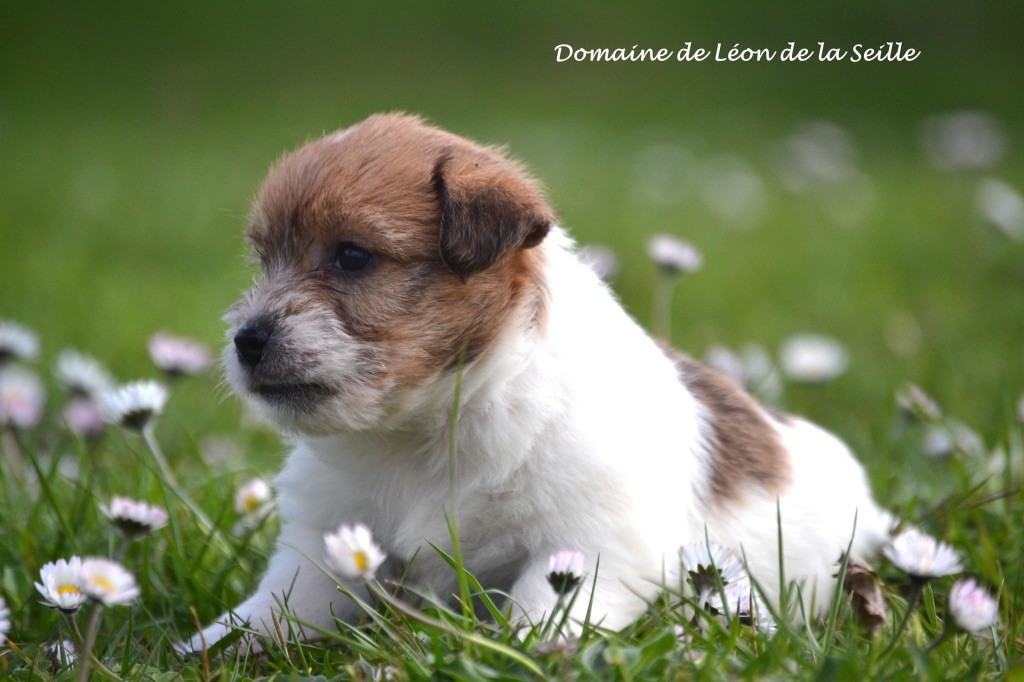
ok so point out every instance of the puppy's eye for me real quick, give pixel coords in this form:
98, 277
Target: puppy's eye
351, 258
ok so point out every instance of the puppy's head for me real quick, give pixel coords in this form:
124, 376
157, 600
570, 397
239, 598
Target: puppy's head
387, 252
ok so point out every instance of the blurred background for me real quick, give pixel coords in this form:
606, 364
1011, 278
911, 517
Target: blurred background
878, 204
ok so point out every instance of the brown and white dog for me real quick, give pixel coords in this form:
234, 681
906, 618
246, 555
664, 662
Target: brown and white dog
392, 254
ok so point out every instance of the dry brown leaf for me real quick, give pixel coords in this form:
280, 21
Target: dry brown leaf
865, 591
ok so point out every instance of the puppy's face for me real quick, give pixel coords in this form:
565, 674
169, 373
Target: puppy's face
386, 252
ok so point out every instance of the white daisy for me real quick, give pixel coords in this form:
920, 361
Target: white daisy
728, 362
746, 605
108, 582
252, 496
21, 397
963, 140
61, 584
84, 417
971, 606
5, 623
811, 358
817, 154
17, 342
967, 439
1002, 206
733, 190
178, 356
674, 255
352, 552
740, 598
937, 441
134, 518
601, 260
752, 368
711, 569
565, 570
921, 556
940, 440
254, 501
135, 404
82, 374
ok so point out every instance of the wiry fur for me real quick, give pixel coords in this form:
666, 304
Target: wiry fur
576, 430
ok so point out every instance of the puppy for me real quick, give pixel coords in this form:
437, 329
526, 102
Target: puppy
397, 258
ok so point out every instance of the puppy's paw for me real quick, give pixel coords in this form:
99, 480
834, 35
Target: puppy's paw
204, 640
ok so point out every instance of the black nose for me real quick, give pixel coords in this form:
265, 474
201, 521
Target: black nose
250, 342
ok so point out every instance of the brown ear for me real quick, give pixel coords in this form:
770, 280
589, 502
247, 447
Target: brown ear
489, 210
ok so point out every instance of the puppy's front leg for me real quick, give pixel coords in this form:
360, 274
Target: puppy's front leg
292, 584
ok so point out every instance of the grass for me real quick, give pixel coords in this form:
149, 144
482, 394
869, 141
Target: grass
136, 139
185, 577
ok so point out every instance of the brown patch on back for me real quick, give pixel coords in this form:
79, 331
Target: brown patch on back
449, 222
745, 449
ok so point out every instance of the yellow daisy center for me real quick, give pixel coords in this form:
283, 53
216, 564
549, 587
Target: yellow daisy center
102, 583
68, 589
361, 561
251, 503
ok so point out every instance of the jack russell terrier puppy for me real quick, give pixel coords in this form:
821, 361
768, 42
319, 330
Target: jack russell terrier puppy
396, 259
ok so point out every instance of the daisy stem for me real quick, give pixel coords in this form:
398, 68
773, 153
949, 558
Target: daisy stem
947, 632
553, 619
91, 628
122, 549
917, 589
470, 636
171, 482
158, 454
15, 459
662, 322
80, 646
75, 631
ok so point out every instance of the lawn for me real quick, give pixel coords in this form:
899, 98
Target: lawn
135, 137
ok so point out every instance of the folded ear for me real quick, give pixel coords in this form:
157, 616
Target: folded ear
489, 209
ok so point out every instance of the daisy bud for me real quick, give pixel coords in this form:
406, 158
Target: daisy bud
178, 356
134, 519
921, 556
914, 402
352, 552
21, 398
673, 255
17, 343
134, 405
971, 606
61, 584
565, 570
108, 582
84, 418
